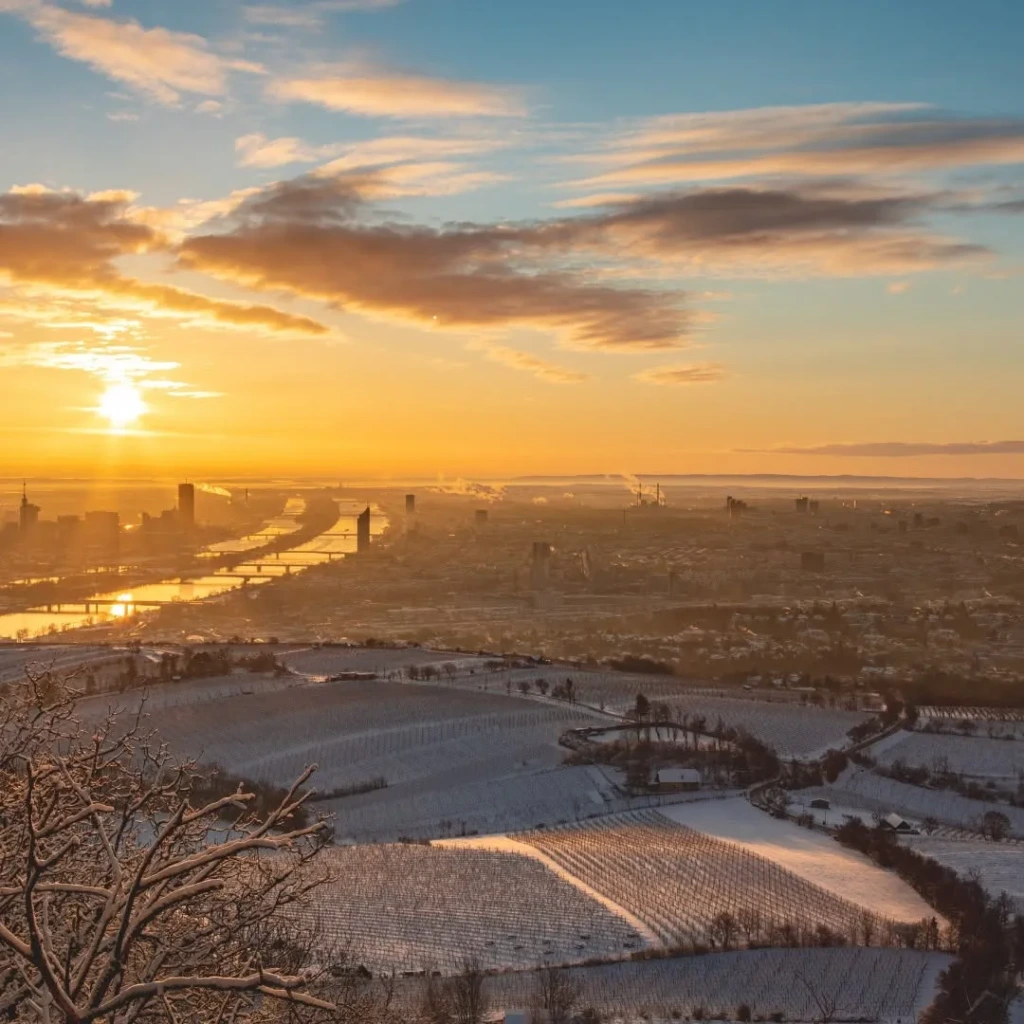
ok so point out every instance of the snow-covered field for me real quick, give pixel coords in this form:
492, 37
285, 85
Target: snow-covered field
16, 658
863, 790
411, 907
792, 730
456, 759
965, 755
999, 866
355, 731
676, 880
884, 985
812, 855
487, 800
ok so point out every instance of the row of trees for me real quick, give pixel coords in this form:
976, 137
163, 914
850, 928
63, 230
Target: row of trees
462, 999
984, 931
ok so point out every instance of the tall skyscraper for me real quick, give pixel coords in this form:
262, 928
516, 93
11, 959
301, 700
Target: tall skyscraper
363, 530
28, 514
187, 506
410, 504
480, 517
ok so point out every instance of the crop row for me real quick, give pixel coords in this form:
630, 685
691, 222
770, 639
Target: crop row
679, 882
962, 755
409, 907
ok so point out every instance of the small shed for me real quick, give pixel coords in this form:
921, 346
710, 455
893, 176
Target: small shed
819, 803
681, 779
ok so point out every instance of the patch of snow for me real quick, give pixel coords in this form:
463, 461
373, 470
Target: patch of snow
813, 856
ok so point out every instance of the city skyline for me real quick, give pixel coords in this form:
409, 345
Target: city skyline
441, 238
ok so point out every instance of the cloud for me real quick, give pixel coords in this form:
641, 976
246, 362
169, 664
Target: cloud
69, 243
256, 150
315, 237
399, 165
373, 92
903, 449
309, 16
681, 374
283, 17
529, 363
111, 363
160, 63
212, 107
743, 229
823, 140
319, 237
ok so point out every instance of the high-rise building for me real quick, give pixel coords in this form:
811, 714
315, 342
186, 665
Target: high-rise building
363, 530
803, 506
481, 517
410, 504
187, 506
28, 514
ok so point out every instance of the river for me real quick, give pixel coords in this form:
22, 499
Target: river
336, 542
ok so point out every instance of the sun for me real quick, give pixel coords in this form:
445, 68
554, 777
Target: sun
121, 405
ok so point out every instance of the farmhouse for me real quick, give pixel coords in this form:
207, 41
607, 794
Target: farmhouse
678, 779
894, 823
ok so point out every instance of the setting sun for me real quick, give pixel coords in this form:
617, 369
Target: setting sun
121, 405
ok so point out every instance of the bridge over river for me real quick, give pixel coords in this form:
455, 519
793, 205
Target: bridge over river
335, 543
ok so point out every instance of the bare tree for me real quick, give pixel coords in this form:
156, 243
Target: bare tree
557, 994
121, 901
436, 1001
826, 1003
468, 1002
751, 923
723, 929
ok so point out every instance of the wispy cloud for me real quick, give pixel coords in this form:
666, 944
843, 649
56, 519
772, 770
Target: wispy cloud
540, 368
903, 449
822, 141
396, 165
310, 15
110, 363
256, 150
682, 374
158, 62
378, 92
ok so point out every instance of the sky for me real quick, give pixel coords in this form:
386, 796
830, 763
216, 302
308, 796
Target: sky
481, 238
